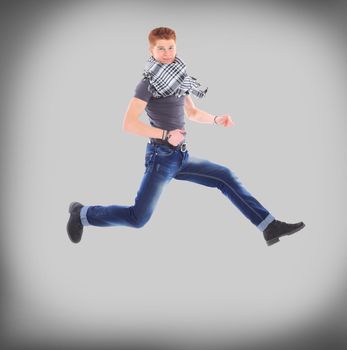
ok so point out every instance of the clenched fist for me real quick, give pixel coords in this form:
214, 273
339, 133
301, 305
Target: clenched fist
224, 120
175, 137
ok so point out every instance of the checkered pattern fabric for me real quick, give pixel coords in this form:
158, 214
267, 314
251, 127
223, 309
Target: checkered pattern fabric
170, 79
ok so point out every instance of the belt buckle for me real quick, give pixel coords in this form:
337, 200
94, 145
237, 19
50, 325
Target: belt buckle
183, 147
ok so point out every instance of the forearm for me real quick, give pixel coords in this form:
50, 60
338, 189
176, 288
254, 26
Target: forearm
201, 116
139, 128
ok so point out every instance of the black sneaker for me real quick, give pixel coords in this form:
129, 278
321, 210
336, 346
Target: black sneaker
74, 225
277, 229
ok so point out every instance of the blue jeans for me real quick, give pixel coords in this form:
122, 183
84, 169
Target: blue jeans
162, 164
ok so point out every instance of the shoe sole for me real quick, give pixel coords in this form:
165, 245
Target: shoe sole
68, 223
277, 239
68, 231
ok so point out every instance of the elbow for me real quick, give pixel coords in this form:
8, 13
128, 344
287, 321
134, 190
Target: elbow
192, 114
127, 127
130, 123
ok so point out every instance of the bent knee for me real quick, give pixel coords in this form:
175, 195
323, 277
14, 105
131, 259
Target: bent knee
225, 172
141, 221
226, 176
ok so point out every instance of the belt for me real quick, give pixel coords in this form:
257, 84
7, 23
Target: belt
181, 147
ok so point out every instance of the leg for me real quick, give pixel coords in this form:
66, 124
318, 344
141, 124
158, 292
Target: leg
136, 215
160, 166
210, 174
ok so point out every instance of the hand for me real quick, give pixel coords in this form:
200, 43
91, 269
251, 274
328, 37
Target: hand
176, 137
224, 120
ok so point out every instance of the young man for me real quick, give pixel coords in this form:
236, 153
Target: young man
164, 93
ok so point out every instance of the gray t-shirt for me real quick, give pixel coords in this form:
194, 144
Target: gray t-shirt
164, 112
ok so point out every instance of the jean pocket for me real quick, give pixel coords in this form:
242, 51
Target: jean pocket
164, 151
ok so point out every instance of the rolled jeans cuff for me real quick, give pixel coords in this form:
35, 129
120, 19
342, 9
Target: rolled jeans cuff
265, 223
83, 216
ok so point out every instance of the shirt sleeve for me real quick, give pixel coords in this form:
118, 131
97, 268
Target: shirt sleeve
141, 90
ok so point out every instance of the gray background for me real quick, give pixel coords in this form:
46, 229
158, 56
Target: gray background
198, 275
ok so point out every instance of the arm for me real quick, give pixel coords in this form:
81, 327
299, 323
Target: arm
197, 115
132, 124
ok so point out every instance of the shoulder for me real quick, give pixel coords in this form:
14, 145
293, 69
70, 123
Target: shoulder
141, 90
142, 85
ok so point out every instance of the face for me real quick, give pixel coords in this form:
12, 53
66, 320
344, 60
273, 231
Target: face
164, 51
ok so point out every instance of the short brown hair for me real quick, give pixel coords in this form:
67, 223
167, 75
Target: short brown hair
161, 33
